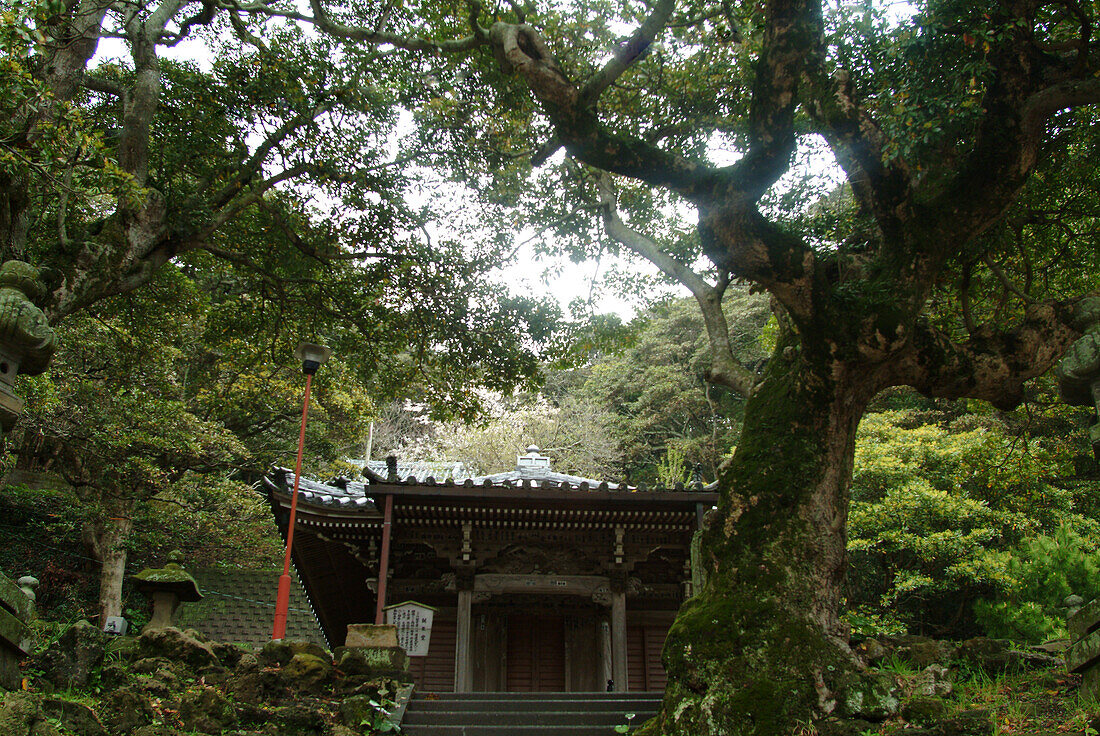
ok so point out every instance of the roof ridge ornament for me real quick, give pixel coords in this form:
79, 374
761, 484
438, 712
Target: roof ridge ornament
532, 460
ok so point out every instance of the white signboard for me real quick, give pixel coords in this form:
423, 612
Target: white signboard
414, 626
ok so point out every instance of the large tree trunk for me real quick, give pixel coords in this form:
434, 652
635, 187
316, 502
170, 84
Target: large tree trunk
762, 646
106, 538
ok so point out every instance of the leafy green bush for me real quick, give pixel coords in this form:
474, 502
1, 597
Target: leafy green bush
1041, 573
944, 515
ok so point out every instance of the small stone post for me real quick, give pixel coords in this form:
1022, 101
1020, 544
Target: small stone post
167, 586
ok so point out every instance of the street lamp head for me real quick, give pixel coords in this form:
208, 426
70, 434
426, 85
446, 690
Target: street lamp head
312, 356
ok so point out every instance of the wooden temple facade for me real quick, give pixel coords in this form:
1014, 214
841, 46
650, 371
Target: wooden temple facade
541, 581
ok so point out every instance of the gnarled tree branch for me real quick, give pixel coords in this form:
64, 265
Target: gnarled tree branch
725, 369
993, 364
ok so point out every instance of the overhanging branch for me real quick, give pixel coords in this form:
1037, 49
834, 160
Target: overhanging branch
991, 365
630, 51
725, 370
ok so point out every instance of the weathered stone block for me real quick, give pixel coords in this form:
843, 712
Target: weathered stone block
14, 632
9, 666
370, 635
1085, 621
15, 600
1084, 653
1090, 684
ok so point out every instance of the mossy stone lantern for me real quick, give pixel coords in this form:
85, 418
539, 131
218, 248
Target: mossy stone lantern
26, 340
168, 586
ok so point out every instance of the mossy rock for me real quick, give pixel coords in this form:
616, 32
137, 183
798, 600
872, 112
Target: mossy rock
71, 660
299, 720
207, 711
356, 710
19, 712
924, 711
113, 675
872, 696
279, 653
306, 672
76, 717
126, 709
178, 646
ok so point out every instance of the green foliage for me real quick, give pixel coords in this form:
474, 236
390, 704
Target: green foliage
672, 469
656, 386
40, 155
1041, 572
945, 515
379, 720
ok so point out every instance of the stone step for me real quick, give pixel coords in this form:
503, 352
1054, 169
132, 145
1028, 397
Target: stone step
526, 718
526, 714
480, 730
494, 704
584, 695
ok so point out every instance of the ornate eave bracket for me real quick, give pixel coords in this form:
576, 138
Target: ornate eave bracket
27, 342
1079, 371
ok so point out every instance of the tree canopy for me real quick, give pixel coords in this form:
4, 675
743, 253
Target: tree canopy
951, 257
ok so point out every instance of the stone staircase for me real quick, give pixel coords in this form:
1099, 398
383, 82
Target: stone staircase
526, 714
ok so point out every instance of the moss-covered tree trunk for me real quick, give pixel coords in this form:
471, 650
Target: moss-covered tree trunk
762, 646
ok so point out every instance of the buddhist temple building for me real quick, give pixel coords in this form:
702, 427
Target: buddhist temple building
541, 581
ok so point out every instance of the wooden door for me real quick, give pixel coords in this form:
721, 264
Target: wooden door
435, 672
488, 647
536, 653
643, 657
583, 654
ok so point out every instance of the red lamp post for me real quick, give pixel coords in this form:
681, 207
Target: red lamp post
312, 356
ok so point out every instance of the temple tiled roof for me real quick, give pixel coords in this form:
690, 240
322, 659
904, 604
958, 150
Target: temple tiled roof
342, 492
238, 606
422, 470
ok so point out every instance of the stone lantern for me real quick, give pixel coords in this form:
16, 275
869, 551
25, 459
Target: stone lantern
26, 345
26, 340
168, 586
1079, 371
